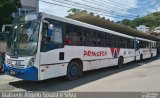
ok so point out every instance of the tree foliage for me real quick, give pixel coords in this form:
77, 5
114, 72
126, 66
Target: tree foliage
73, 11
7, 7
151, 20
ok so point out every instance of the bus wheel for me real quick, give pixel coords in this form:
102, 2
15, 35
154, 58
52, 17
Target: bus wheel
73, 71
120, 62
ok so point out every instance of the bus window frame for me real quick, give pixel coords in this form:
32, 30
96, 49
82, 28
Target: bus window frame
63, 34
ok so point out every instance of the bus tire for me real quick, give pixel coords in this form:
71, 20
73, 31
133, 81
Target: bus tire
120, 62
141, 57
73, 71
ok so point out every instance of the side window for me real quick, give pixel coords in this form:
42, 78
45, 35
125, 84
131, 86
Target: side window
125, 42
137, 44
122, 42
140, 44
103, 39
119, 42
94, 38
130, 43
73, 35
107, 40
149, 45
112, 40
145, 44
99, 39
154, 45
91, 33
71, 32
79, 36
86, 37
51, 35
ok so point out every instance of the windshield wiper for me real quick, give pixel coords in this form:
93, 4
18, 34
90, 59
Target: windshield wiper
32, 34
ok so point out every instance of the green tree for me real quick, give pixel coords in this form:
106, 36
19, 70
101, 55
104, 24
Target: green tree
125, 22
73, 11
151, 20
7, 7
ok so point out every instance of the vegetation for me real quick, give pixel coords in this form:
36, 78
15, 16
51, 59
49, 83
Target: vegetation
7, 7
151, 20
73, 11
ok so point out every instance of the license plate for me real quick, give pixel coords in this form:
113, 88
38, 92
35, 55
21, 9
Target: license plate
12, 72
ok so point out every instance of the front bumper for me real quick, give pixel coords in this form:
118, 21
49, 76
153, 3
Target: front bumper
30, 73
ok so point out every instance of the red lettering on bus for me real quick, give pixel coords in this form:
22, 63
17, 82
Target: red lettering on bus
85, 53
94, 53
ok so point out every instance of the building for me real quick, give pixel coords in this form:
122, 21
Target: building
143, 28
157, 30
27, 7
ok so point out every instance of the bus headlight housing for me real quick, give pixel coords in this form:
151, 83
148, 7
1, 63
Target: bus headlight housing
31, 62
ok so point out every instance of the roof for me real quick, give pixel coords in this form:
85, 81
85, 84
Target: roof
82, 24
90, 18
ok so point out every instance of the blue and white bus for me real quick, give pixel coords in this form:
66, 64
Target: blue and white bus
45, 46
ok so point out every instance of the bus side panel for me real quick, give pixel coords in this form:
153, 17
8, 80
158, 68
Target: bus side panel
51, 71
154, 52
146, 56
92, 58
112, 59
50, 64
129, 59
106, 63
89, 65
137, 55
128, 55
145, 52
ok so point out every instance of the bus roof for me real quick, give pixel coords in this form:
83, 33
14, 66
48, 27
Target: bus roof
144, 39
90, 18
82, 24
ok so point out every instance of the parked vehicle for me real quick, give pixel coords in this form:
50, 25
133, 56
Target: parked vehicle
44, 46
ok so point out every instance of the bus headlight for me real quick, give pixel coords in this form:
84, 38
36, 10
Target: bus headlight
31, 62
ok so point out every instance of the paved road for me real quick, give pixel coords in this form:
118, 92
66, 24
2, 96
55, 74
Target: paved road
134, 77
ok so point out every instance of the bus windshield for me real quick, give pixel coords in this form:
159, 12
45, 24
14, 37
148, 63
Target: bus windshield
24, 39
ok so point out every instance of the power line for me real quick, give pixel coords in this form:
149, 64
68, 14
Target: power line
116, 6
89, 9
137, 9
114, 2
95, 8
104, 5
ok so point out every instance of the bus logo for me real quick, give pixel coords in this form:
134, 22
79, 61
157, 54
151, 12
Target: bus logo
94, 53
115, 52
18, 62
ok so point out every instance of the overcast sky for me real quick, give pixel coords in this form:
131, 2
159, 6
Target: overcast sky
112, 9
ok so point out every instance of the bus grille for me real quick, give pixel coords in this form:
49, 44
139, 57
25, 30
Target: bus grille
17, 66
